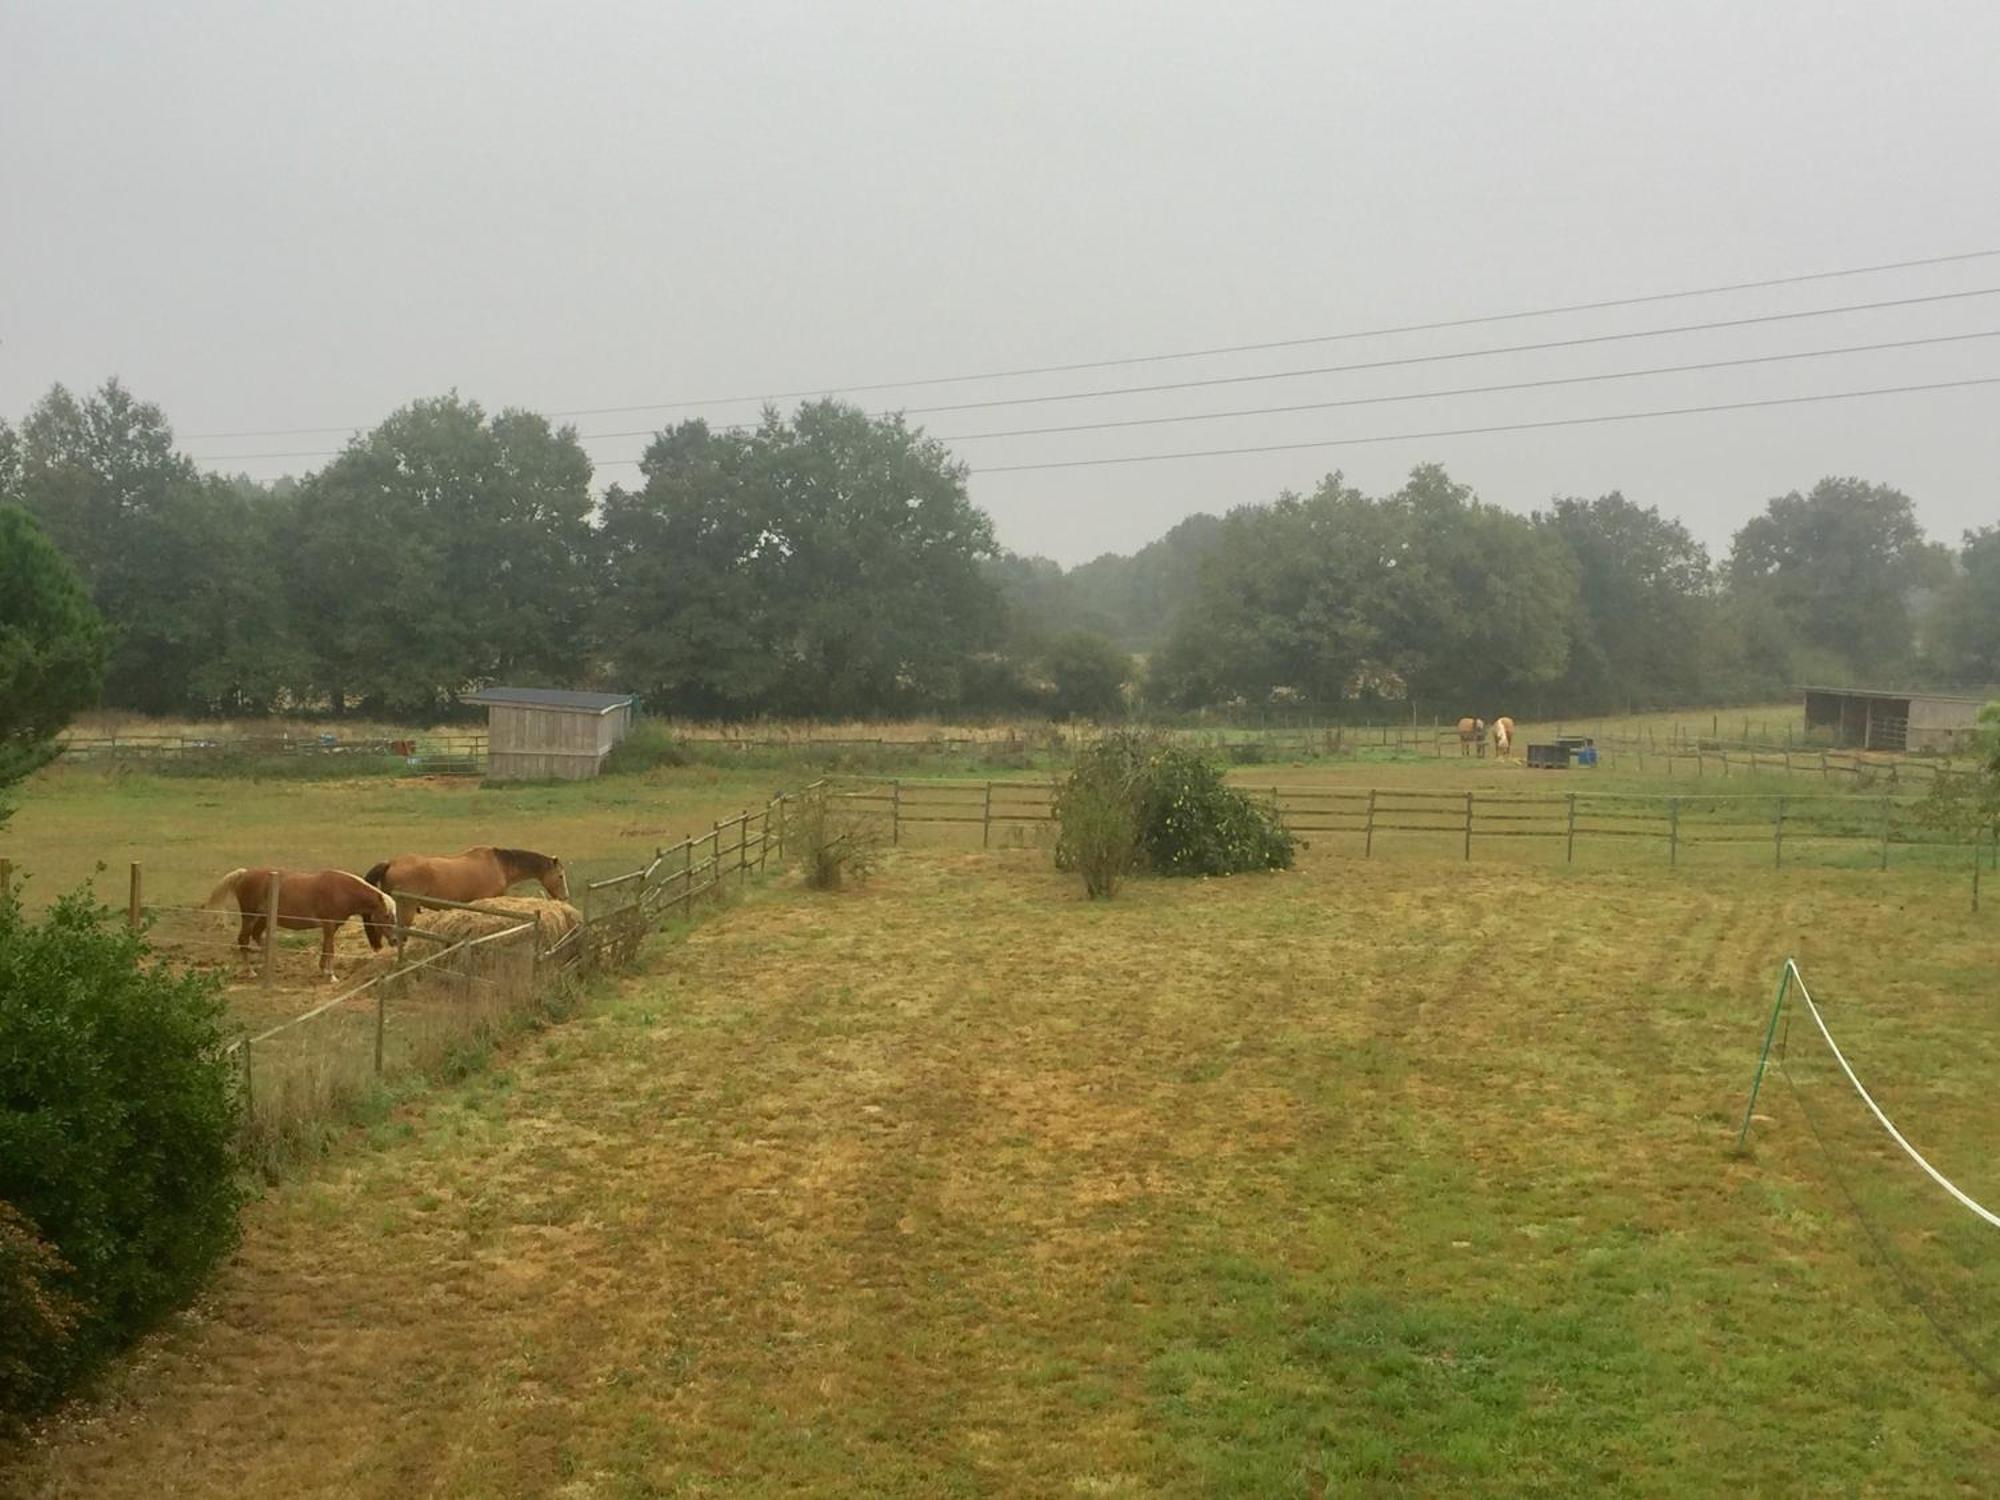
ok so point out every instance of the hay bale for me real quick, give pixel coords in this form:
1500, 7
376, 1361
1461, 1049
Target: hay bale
553, 919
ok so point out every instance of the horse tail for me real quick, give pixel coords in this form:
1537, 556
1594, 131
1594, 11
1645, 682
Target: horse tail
379, 876
227, 887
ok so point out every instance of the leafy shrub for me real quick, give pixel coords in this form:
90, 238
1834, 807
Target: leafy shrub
1097, 811
646, 746
1193, 823
1178, 816
37, 1317
118, 1119
836, 842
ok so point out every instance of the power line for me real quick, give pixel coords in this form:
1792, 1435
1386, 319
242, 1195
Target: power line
1471, 390
1398, 437
1204, 353
1582, 341
1400, 362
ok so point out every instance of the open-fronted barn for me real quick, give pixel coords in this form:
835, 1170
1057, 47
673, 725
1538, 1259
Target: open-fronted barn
539, 734
1865, 719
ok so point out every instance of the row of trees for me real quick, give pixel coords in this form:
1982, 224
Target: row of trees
831, 564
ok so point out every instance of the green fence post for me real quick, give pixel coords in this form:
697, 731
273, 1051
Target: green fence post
1764, 1057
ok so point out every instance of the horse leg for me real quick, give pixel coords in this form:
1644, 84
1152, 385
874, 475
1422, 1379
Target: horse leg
327, 931
248, 931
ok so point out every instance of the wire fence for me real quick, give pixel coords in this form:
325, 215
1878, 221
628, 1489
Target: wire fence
433, 754
432, 1002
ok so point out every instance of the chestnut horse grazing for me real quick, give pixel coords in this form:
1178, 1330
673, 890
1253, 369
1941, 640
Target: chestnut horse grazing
475, 875
1503, 738
1471, 736
307, 898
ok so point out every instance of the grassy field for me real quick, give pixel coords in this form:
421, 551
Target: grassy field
1405, 1178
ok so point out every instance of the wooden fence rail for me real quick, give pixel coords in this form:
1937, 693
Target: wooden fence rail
1790, 824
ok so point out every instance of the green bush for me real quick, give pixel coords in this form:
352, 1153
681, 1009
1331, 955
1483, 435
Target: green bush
647, 745
118, 1117
1097, 811
1182, 817
836, 842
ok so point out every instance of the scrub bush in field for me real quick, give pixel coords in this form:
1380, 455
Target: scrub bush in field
118, 1118
836, 843
1097, 813
1136, 802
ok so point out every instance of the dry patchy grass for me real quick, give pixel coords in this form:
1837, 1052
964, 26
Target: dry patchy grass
957, 1184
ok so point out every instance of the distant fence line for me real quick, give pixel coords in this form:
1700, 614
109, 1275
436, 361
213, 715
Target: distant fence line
437, 754
1786, 823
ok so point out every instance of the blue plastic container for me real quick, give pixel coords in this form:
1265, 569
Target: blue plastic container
1587, 756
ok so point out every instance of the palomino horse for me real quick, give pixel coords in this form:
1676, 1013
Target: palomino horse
307, 898
476, 875
1471, 736
1503, 738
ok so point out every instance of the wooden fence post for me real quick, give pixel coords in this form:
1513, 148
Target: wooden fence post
1569, 833
1368, 847
382, 1017
1975, 873
134, 912
1673, 831
1778, 837
743, 850
782, 799
986, 820
1468, 825
6, 877
896, 811
270, 932
1885, 833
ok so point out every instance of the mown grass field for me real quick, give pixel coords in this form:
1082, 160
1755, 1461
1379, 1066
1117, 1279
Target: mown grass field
1411, 1177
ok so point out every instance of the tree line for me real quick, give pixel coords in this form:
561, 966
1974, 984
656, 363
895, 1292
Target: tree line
830, 564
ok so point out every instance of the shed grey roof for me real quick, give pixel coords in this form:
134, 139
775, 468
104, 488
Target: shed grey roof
594, 703
1928, 697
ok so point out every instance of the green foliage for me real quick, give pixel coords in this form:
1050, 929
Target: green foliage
836, 842
51, 646
444, 549
1193, 823
825, 565
1967, 619
1136, 801
1839, 565
648, 745
1087, 674
37, 1317
1426, 593
1097, 809
117, 1123
1967, 804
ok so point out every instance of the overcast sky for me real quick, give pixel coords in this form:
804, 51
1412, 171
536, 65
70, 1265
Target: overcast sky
296, 216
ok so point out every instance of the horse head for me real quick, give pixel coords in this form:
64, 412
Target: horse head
555, 880
380, 925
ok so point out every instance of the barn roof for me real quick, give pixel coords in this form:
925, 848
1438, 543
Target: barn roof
591, 703
1928, 697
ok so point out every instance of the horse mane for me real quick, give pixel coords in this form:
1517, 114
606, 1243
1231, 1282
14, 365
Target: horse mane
376, 876
373, 889
524, 859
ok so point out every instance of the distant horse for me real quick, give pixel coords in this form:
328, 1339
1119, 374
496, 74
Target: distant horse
476, 875
1471, 736
1503, 738
307, 898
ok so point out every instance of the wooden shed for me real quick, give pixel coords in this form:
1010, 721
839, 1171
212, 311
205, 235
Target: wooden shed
541, 734
1865, 719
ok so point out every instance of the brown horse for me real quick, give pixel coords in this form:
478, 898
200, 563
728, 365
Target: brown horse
1472, 737
476, 875
307, 898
